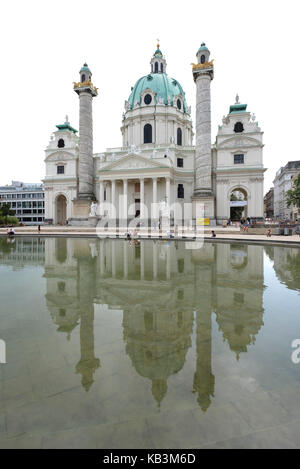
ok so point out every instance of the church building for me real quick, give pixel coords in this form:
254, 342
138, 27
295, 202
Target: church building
159, 169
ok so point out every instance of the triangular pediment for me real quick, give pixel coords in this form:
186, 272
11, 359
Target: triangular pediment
240, 141
133, 161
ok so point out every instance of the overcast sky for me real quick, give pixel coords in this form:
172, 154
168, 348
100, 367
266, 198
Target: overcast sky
255, 45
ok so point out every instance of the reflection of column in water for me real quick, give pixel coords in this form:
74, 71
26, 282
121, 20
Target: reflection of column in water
142, 260
168, 267
102, 252
125, 250
154, 260
88, 363
113, 258
204, 380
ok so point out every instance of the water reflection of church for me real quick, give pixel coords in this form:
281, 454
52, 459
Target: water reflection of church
163, 290
167, 294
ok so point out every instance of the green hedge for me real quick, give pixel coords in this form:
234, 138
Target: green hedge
10, 221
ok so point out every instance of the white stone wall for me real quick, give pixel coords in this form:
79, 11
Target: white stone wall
61, 184
248, 176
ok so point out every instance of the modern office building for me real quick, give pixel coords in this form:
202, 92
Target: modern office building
27, 200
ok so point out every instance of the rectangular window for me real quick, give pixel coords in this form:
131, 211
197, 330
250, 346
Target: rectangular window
239, 159
60, 170
179, 162
180, 191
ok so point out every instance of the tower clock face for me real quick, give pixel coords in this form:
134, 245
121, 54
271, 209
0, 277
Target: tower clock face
202, 59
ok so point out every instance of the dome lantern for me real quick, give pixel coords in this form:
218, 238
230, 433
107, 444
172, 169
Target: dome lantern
158, 62
203, 54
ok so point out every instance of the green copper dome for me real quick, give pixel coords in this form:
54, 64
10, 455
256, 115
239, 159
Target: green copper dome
203, 47
158, 53
161, 84
85, 68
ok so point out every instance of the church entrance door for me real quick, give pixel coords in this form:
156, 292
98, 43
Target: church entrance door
238, 204
61, 210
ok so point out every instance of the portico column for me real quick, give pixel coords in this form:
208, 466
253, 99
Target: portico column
168, 191
125, 199
113, 198
142, 188
154, 211
101, 197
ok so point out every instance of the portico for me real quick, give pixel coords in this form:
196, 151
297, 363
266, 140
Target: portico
132, 196
134, 187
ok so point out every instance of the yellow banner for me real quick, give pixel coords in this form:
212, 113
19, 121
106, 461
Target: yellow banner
203, 222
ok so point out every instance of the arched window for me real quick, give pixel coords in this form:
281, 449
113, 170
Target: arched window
156, 67
162, 68
148, 133
179, 137
61, 143
239, 128
83, 78
202, 59
180, 191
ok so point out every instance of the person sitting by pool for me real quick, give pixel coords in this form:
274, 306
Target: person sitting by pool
213, 234
269, 233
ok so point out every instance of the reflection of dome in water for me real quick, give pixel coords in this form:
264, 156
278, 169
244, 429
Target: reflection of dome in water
64, 313
157, 345
240, 327
238, 256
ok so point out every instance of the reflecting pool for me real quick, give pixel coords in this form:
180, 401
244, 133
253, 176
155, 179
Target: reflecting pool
111, 344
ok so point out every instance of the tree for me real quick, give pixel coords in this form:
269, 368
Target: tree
5, 211
293, 195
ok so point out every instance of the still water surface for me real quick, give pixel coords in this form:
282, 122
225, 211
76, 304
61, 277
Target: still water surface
149, 345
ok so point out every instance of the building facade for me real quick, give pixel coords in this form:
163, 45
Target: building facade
158, 169
282, 184
269, 203
26, 200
